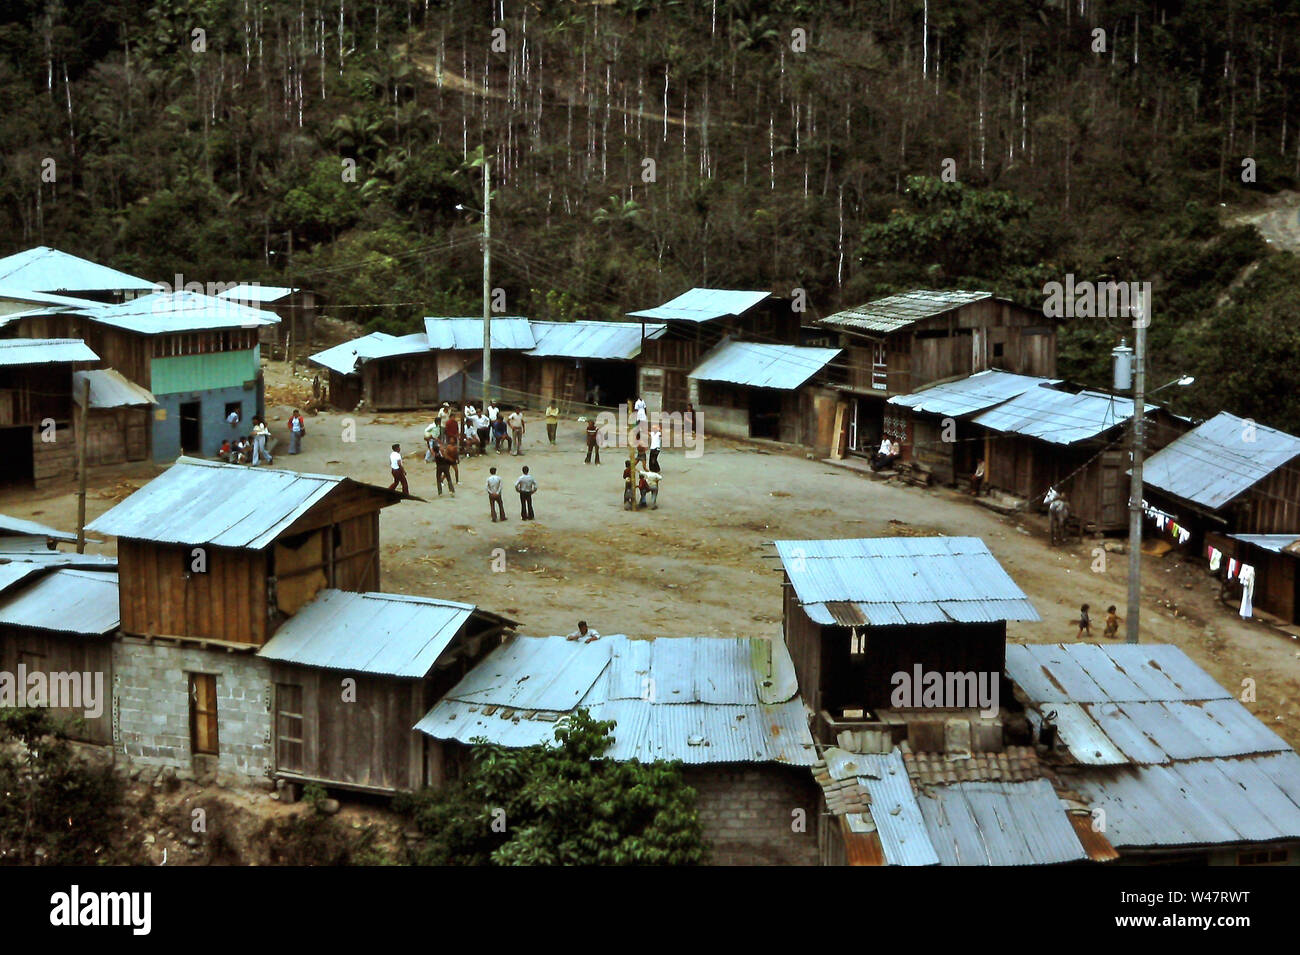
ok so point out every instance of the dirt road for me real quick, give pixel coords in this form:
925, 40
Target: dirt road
703, 563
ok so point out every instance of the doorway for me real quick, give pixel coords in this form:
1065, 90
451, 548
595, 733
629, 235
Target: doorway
765, 413
191, 431
16, 456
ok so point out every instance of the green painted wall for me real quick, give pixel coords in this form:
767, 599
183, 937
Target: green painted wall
204, 372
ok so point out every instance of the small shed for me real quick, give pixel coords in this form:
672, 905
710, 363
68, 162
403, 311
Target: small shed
458, 343
36, 421
353, 674
56, 629
758, 390
118, 419
728, 708
388, 372
856, 612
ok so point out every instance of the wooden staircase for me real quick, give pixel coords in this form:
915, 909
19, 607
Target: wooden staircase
567, 388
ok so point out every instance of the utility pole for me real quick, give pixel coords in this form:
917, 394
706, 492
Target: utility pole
81, 465
487, 287
1135, 494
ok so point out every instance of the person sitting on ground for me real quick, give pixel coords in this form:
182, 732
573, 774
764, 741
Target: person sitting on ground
583, 633
224, 453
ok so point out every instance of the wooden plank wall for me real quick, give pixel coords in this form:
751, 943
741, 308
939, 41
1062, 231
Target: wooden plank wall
803, 640
402, 384
117, 435
345, 391
54, 462
1273, 505
53, 652
368, 742
161, 597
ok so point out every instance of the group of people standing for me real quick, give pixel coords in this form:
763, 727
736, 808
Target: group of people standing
641, 474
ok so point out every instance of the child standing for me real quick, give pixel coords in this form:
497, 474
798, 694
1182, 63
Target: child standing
1085, 626
1112, 623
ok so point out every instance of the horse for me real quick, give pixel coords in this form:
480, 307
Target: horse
1059, 515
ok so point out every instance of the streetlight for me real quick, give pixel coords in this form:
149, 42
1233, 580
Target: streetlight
1130, 371
487, 287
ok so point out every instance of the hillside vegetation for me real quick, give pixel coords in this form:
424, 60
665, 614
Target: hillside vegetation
638, 148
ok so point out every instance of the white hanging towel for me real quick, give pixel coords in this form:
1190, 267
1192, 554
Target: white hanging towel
1247, 579
1216, 556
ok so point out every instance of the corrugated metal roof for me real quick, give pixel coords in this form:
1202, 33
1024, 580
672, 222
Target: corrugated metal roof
43, 269
703, 305
1211, 801
254, 293
466, 334
890, 314
66, 600
901, 580
20, 294
348, 357
1219, 460
593, 340
1059, 417
1091, 673
43, 351
695, 699
164, 313
894, 810
1276, 543
109, 389
971, 394
384, 634
226, 505
18, 527
763, 366
999, 823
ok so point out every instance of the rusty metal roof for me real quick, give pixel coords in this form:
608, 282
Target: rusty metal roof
704, 305
226, 505
694, 699
1219, 460
999, 823
896, 312
889, 581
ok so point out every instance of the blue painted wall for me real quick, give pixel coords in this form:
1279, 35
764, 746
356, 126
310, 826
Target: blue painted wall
212, 419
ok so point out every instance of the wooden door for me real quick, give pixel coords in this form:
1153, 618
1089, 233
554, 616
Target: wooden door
203, 714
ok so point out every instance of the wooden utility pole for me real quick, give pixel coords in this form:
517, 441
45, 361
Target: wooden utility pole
487, 286
81, 465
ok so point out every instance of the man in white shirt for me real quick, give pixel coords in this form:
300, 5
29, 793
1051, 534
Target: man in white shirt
526, 485
656, 443
494, 495
399, 472
583, 633
493, 411
652, 479
516, 423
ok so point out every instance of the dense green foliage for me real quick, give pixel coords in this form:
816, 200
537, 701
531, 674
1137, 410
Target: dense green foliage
559, 805
328, 142
54, 808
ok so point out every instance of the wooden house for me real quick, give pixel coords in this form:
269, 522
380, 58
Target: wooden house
354, 673
458, 343
57, 620
1234, 485
197, 355
896, 345
387, 372
759, 390
119, 417
695, 322
585, 362
214, 558
857, 612
944, 442
37, 446
1076, 442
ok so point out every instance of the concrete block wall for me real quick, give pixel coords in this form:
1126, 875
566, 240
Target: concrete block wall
748, 813
213, 428
151, 706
